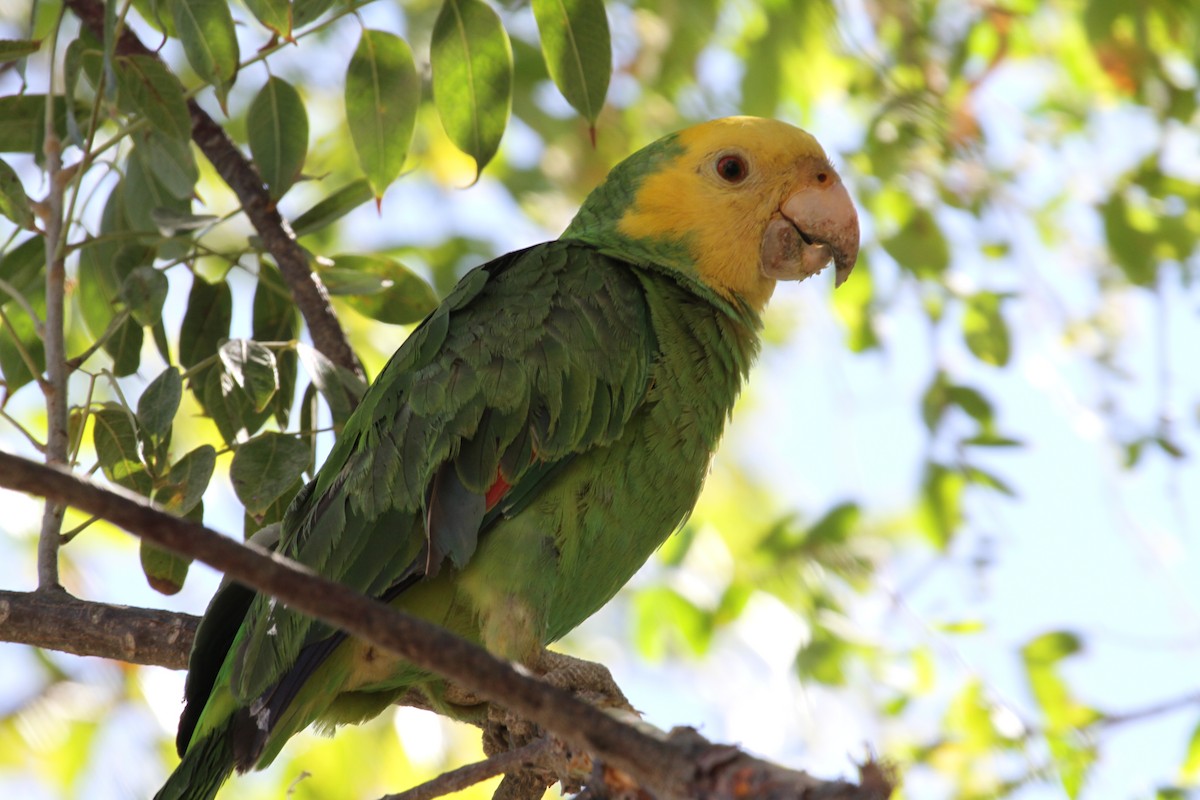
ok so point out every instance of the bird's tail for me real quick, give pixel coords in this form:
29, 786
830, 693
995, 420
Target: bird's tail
205, 766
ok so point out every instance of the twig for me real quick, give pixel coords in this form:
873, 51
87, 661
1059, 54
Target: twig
55, 387
241, 175
664, 767
458, 779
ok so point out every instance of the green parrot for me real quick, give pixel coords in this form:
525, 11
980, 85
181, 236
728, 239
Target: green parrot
532, 442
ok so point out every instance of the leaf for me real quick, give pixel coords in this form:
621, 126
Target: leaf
119, 449
340, 387
165, 571
144, 291
187, 480
836, 526
253, 369
275, 15
823, 658
23, 122
919, 246
14, 373
229, 406
985, 331
151, 91
383, 93
306, 11
277, 129
381, 288
210, 42
159, 403
333, 207
264, 467
941, 503
472, 64
104, 264
662, 617
15, 49
205, 322
1189, 770
275, 319
14, 204
578, 51
170, 162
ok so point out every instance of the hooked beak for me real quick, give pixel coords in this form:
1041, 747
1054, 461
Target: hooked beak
817, 224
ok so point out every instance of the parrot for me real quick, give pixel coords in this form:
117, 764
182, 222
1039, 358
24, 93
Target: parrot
531, 443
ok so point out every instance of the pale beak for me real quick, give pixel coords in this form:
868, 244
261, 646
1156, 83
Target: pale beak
817, 224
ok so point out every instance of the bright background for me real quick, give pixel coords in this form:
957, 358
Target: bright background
1001, 621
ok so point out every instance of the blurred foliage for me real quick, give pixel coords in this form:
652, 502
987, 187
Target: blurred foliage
953, 122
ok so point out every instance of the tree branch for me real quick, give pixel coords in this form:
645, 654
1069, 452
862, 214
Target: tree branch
666, 768
242, 177
59, 621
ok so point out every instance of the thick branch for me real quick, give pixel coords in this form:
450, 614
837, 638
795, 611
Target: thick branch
59, 621
665, 768
242, 176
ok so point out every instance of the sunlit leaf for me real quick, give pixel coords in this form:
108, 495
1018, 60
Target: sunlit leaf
333, 207
919, 247
380, 288
119, 448
277, 128
382, 95
984, 329
16, 49
941, 503
472, 77
276, 15
253, 369
578, 51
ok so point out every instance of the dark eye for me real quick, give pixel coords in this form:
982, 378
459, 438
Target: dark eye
732, 168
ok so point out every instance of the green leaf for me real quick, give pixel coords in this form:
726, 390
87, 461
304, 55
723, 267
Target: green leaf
919, 246
170, 162
823, 658
940, 509
275, 15
159, 403
15, 49
23, 122
380, 288
275, 319
14, 204
229, 406
277, 128
165, 571
663, 617
253, 369
210, 42
306, 11
151, 91
333, 207
264, 467
23, 266
144, 291
472, 64
340, 387
119, 449
205, 322
578, 51
985, 331
104, 264
13, 370
1189, 770
187, 480
1065, 716
383, 93
836, 526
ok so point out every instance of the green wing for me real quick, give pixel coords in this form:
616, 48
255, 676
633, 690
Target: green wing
533, 358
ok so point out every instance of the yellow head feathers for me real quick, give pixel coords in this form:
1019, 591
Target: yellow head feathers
734, 204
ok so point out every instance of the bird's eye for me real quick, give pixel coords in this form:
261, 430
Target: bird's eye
732, 168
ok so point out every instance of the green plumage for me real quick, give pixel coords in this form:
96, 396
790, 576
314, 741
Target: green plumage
588, 378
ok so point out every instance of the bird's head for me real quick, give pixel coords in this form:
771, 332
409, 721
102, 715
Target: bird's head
735, 204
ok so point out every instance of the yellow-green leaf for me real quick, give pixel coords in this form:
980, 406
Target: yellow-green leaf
382, 95
381, 288
277, 128
118, 447
578, 51
206, 29
276, 15
15, 49
472, 65
985, 331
